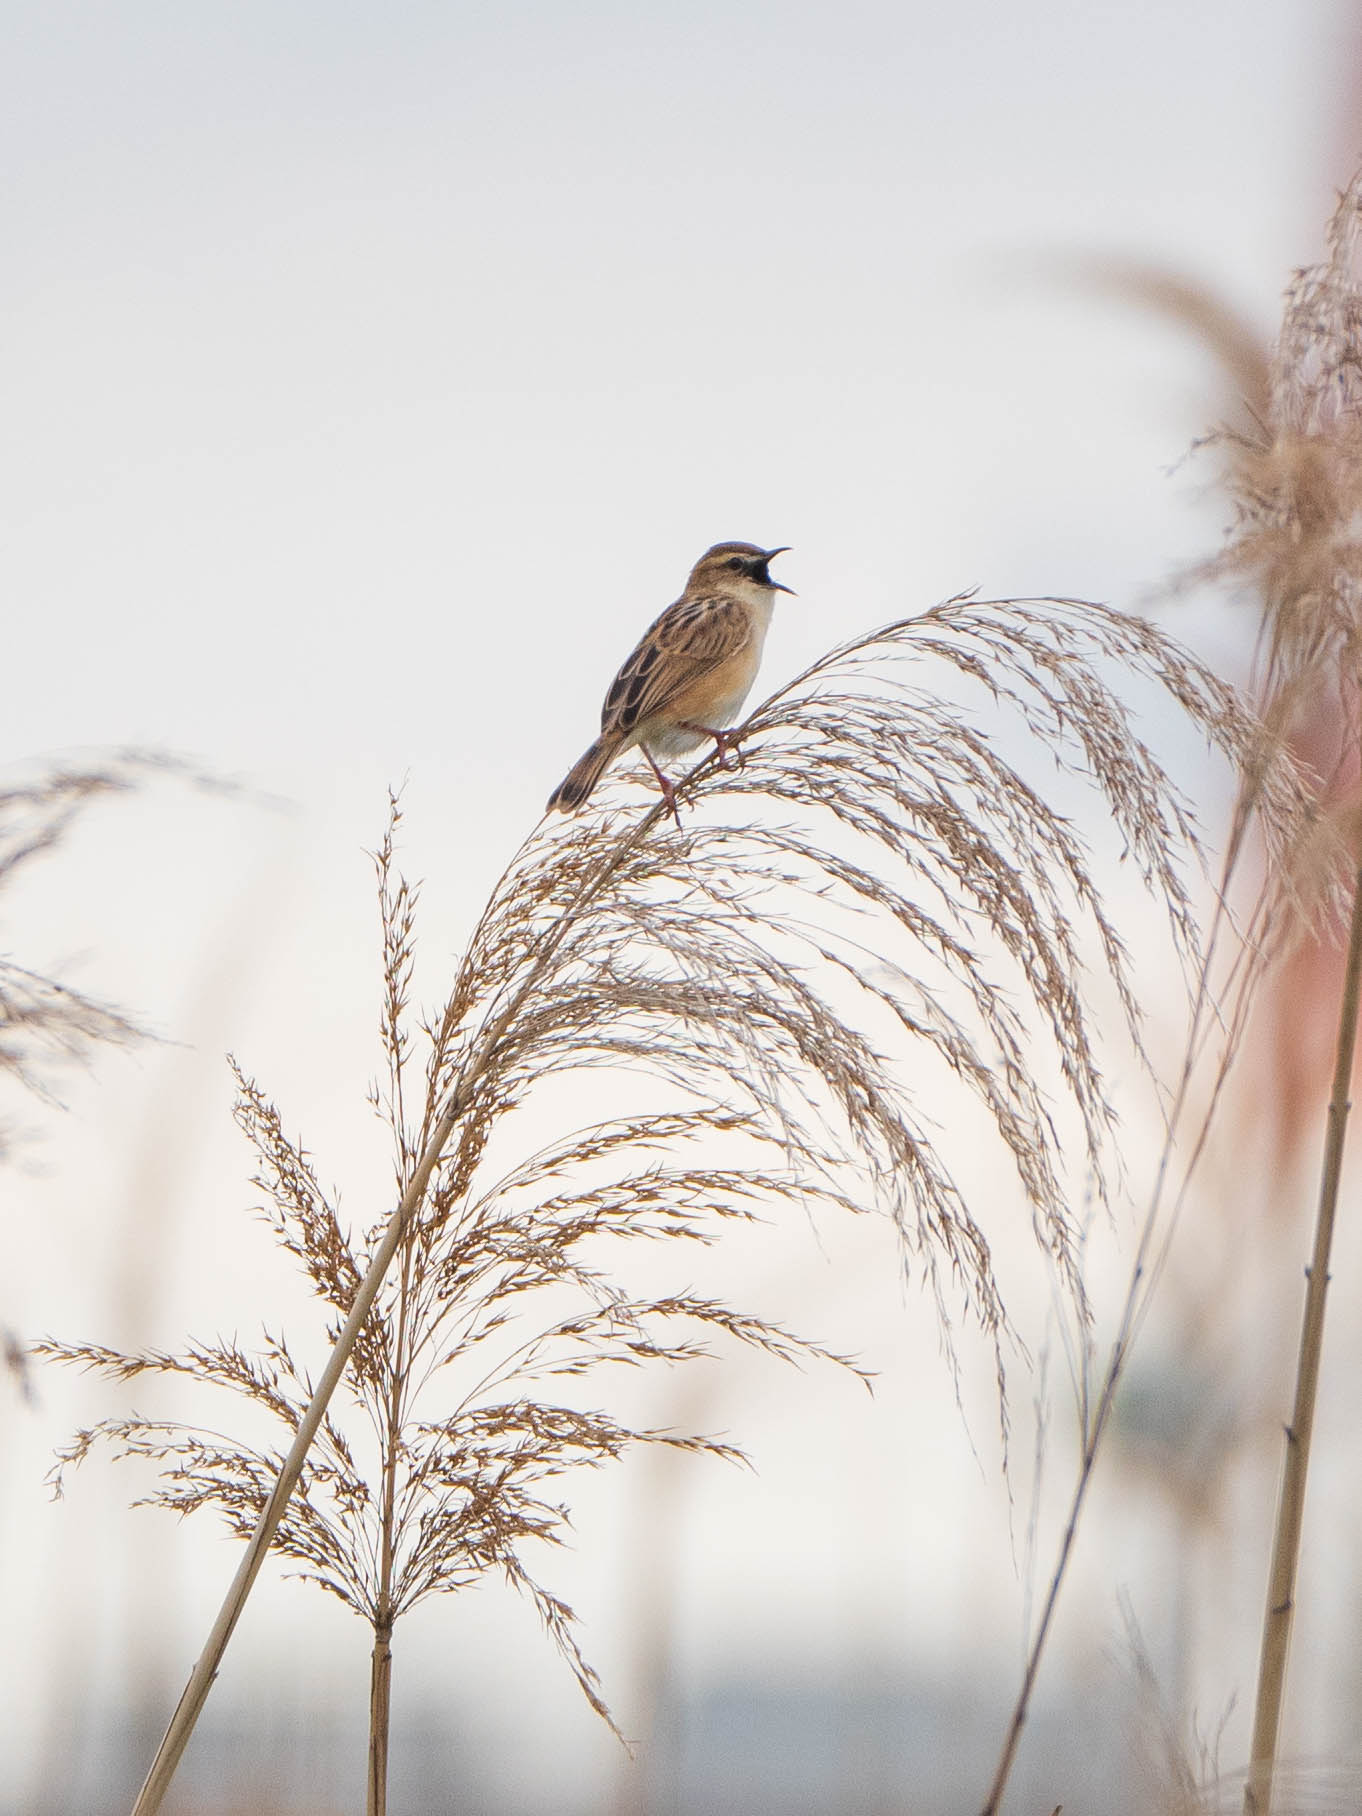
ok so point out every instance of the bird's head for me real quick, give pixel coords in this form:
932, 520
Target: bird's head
730, 565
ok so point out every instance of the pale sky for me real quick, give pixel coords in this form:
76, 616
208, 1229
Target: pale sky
371, 376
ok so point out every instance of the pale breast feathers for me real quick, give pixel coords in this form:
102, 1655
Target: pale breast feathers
690, 639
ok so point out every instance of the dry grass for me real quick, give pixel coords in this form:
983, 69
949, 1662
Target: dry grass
1295, 479
874, 896
1298, 539
44, 1024
1296, 483
46, 1027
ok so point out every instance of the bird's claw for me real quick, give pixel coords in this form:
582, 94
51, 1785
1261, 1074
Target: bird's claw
724, 742
669, 796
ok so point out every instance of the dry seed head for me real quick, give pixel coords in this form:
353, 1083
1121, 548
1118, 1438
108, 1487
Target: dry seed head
1297, 484
878, 894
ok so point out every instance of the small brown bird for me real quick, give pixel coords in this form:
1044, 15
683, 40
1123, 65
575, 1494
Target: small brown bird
690, 674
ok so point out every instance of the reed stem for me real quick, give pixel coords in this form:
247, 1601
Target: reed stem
1281, 1596
380, 1698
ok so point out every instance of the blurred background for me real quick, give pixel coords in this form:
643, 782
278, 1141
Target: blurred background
372, 376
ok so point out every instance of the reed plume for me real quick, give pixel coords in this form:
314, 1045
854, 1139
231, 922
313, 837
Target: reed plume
875, 898
1294, 478
45, 1024
1297, 538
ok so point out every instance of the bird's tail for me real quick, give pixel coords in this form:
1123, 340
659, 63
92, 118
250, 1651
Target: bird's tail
579, 781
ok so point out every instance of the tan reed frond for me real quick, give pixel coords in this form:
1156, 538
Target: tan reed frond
880, 900
1298, 537
1295, 484
458, 1488
1293, 479
46, 1026
293, 1203
44, 1023
869, 815
1240, 352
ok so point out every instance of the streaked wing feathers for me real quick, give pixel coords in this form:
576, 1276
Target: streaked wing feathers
691, 639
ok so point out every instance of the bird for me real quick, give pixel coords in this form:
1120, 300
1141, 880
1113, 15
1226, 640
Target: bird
690, 673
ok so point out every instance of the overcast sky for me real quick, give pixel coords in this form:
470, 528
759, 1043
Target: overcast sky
371, 375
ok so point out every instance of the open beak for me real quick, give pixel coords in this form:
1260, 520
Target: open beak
779, 586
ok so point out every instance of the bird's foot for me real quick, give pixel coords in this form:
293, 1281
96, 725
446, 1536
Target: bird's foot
668, 792
724, 742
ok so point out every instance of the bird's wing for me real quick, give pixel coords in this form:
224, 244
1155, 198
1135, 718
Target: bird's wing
690, 639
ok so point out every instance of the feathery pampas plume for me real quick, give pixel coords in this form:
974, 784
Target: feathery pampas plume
1297, 487
874, 894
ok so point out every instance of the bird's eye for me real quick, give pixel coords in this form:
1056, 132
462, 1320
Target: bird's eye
735, 562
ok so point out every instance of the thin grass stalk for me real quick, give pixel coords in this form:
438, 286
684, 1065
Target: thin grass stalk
1281, 1595
380, 1699
201, 1678
380, 1692
1148, 1260
1021, 1709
